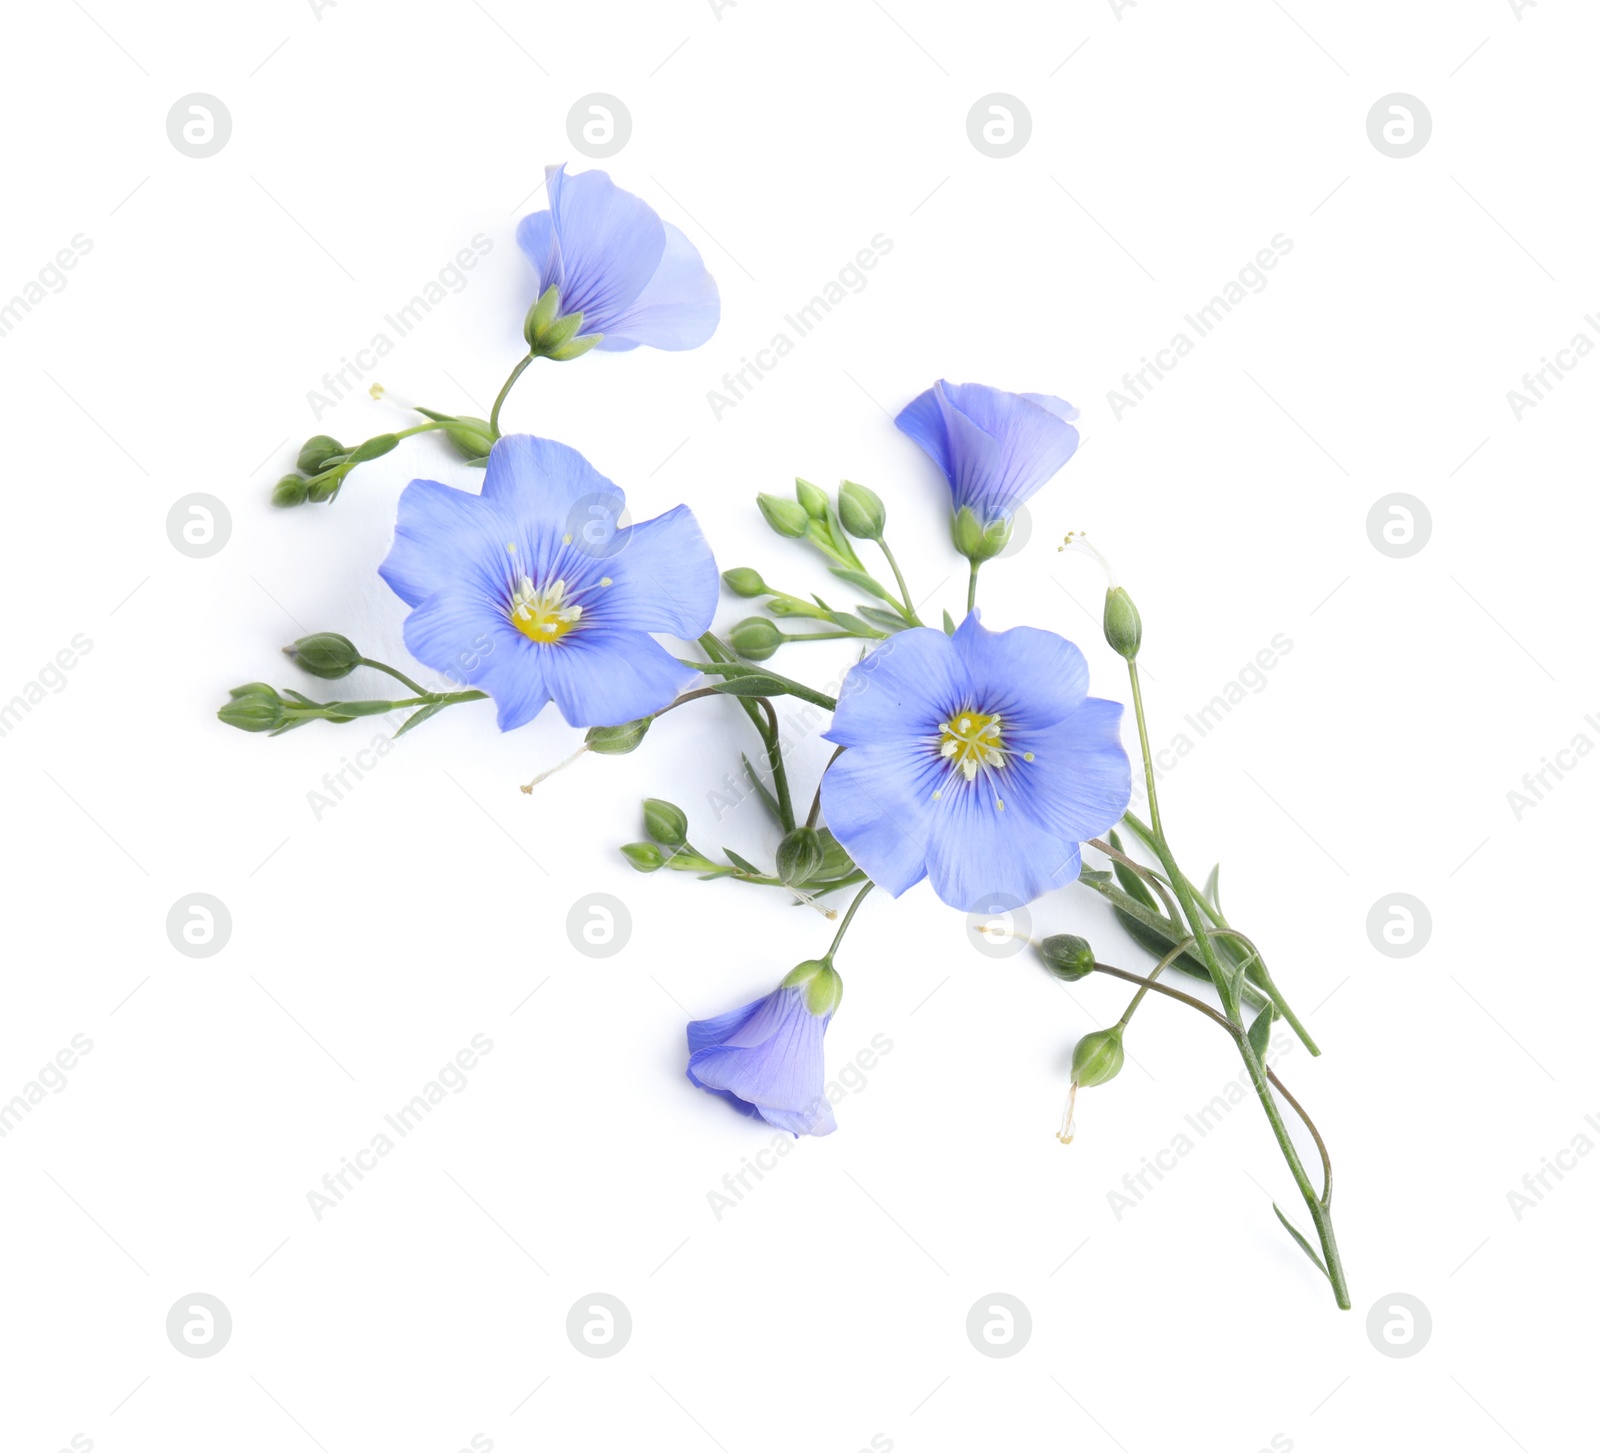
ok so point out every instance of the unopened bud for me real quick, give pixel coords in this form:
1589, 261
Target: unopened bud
784, 515
616, 741
1123, 627
253, 708
1067, 956
326, 654
665, 822
316, 452
861, 512
742, 580
292, 489
800, 856
755, 638
820, 982
646, 857
1097, 1057
813, 501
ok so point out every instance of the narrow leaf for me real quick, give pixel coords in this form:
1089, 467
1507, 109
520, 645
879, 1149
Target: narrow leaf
854, 624
418, 717
1260, 1031
751, 686
1301, 1241
861, 580
761, 788
886, 620
743, 864
1211, 888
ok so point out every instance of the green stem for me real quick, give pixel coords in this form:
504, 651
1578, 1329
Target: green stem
780, 773
403, 679
1155, 974
1228, 987
849, 913
733, 669
910, 611
873, 635
972, 588
500, 398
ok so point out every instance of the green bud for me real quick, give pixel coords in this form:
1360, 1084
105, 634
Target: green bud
813, 501
646, 857
325, 654
316, 452
321, 490
1097, 1057
665, 822
821, 982
617, 741
784, 515
860, 511
292, 489
755, 638
1123, 627
471, 436
253, 708
800, 856
742, 580
1067, 956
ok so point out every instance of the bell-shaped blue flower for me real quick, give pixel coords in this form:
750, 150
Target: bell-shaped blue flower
533, 591
636, 279
978, 761
765, 1059
996, 449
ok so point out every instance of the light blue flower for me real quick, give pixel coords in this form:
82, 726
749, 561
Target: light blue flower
996, 449
531, 591
636, 279
766, 1058
977, 760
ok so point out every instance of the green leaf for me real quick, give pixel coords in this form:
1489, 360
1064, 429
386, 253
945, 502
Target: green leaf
1159, 944
1260, 1032
1132, 884
1211, 888
854, 624
836, 862
949, 625
884, 620
1300, 1241
1102, 876
751, 686
861, 580
743, 864
419, 716
761, 788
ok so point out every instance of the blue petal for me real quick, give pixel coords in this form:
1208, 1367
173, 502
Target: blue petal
878, 802
610, 242
663, 576
529, 477
772, 1060
536, 236
679, 307
1027, 677
1080, 779
901, 691
978, 852
437, 530
608, 676
704, 1033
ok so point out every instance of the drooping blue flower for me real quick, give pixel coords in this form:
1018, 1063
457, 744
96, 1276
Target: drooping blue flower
977, 760
996, 449
636, 279
532, 591
766, 1058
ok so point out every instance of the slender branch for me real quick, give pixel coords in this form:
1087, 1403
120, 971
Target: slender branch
500, 398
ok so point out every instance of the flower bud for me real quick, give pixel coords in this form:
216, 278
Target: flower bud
472, 437
253, 708
800, 856
821, 982
665, 822
860, 511
320, 491
1097, 1057
1067, 956
784, 515
325, 654
813, 501
1123, 627
646, 857
541, 315
742, 580
292, 489
755, 638
316, 452
617, 741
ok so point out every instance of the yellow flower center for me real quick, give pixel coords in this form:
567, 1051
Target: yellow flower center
972, 740
542, 614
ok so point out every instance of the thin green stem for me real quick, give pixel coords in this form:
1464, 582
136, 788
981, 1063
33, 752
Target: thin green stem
399, 676
849, 913
734, 670
500, 398
972, 588
780, 773
910, 611
872, 635
1155, 974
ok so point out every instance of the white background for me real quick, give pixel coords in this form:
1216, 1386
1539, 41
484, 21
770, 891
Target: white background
1169, 145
